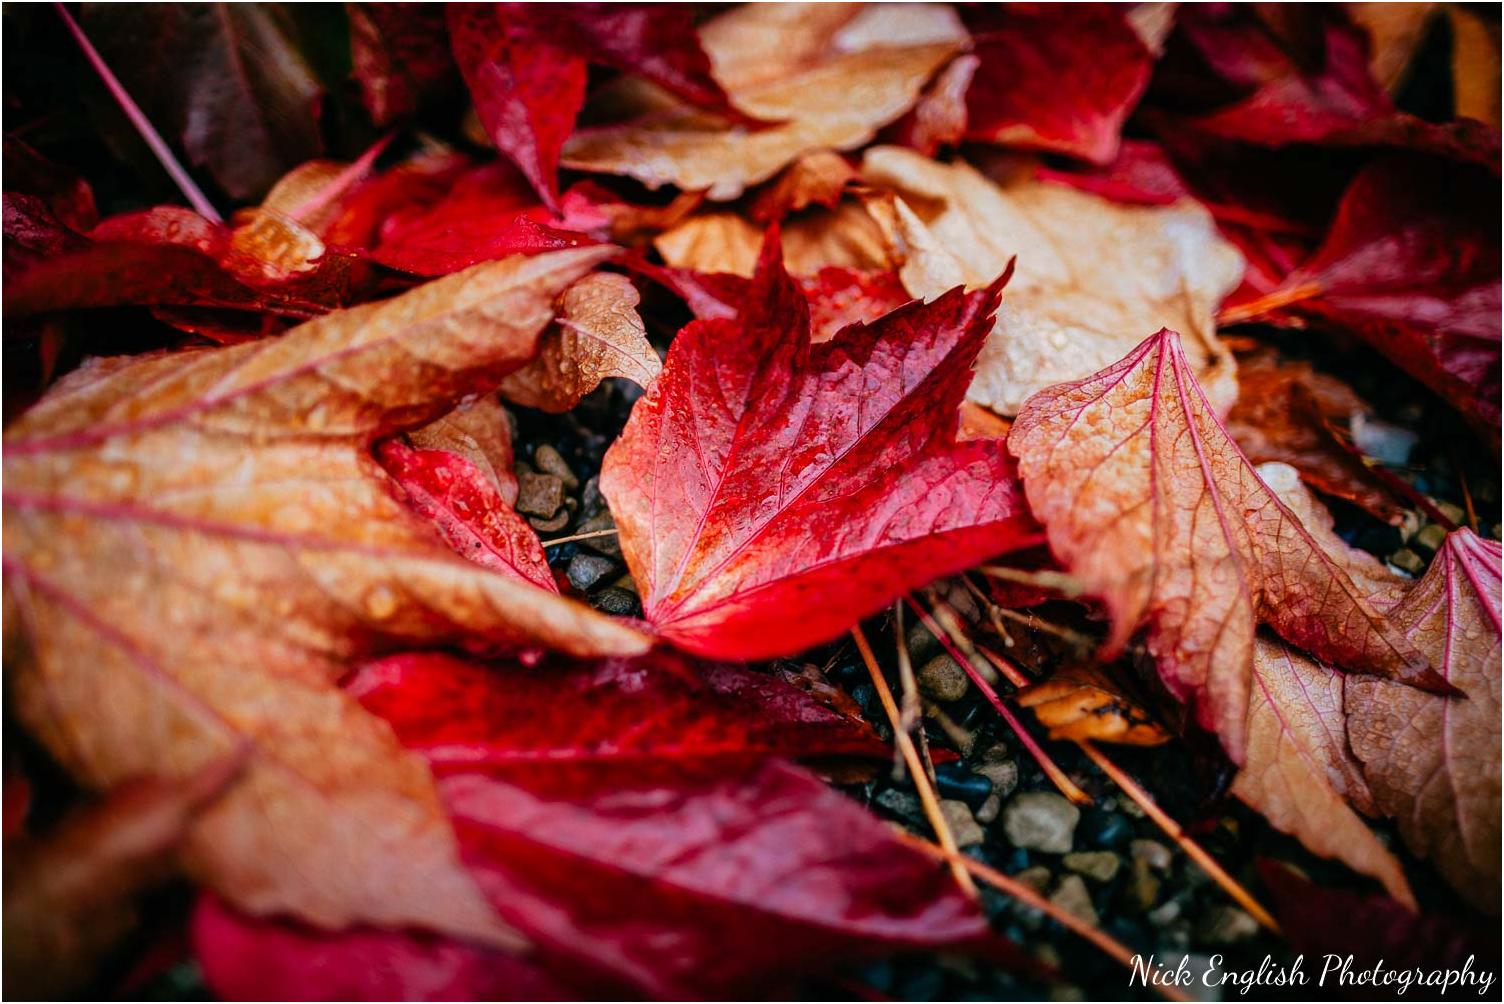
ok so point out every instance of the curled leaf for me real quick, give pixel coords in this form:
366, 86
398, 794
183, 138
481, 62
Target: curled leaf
1080, 703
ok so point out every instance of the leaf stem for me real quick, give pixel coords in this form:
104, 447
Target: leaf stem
579, 536
195, 196
917, 772
1173, 830
1067, 787
1269, 301
1026, 895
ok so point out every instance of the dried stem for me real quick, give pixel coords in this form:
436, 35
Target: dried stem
195, 196
927, 796
1026, 895
579, 536
1270, 301
1066, 585
1052, 770
1173, 830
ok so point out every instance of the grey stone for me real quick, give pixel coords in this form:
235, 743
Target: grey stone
550, 461
587, 570
1153, 853
942, 679
539, 494
1165, 914
1041, 821
553, 524
1430, 537
1100, 866
1142, 887
1072, 897
1226, 925
1037, 878
616, 601
608, 544
1407, 560
1003, 775
904, 804
988, 811
963, 826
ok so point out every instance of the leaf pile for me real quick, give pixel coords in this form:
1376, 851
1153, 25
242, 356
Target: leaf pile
1046, 319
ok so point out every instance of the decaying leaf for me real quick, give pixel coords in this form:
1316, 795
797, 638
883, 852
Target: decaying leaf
827, 77
1395, 31
1299, 772
69, 895
818, 178
597, 335
1080, 703
846, 236
1289, 412
198, 543
1147, 501
478, 431
1092, 275
762, 474
1433, 762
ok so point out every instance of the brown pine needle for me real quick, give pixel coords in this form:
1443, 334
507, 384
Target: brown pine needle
1052, 770
1172, 829
1272, 301
580, 536
927, 796
1026, 895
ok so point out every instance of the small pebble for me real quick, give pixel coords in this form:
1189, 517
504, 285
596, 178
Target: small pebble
587, 570
549, 461
1099, 866
1407, 560
942, 679
904, 804
1104, 829
1430, 537
616, 601
591, 500
1226, 925
608, 544
539, 494
955, 780
989, 809
1041, 821
1004, 777
1142, 888
1453, 512
1153, 853
1037, 878
552, 524
1071, 896
1163, 916
920, 643
963, 826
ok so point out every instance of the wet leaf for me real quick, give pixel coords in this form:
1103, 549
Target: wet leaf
198, 543
762, 474
1081, 703
1147, 501
1433, 762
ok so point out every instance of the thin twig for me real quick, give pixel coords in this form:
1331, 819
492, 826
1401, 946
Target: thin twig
1052, 770
910, 707
1271, 301
159, 147
1066, 585
927, 796
1026, 895
579, 536
1173, 830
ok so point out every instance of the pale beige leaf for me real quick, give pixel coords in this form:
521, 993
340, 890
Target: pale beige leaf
829, 76
199, 544
1395, 31
598, 335
1433, 762
480, 432
846, 236
1092, 278
1475, 64
1299, 772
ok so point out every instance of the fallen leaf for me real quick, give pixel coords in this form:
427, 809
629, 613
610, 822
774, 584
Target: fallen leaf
478, 431
939, 117
251, 958
1433, 762
1055, 78
1079, 703
846, 236
1475, 65
1148, 502
1298, 771
526, 69
761, 474
197, 543
640, 833
1411, 265
1395, 32
1092, 275
1286, 412
827, 77
240, 96
70, 893
818, 178
399, 54
598, 334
